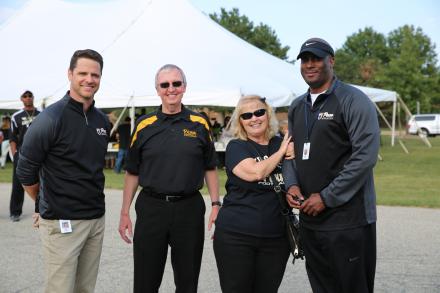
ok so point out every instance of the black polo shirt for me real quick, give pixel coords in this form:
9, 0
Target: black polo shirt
20, 122
171, 153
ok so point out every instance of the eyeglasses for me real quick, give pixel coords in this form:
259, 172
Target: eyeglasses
165, 85
27, 96
248, 115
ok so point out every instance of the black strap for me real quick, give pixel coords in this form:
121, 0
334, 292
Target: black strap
292, 221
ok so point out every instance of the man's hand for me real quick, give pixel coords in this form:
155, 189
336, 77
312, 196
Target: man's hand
294, 197
213, 217
313, 206
124, 225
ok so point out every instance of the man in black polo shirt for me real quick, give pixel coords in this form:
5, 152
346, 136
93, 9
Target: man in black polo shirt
335, 131
171, 152
20, 122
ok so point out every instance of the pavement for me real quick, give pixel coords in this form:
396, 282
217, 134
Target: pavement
408, 253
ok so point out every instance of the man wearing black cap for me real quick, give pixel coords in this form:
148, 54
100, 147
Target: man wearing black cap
336, 135
20, 122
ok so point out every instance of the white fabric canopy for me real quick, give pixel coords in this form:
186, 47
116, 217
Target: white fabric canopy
136, 37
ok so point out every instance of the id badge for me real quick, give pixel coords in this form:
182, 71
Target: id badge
65, 226
306, 151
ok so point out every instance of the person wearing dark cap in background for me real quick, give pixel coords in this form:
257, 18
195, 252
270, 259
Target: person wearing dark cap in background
336, 136
20, 122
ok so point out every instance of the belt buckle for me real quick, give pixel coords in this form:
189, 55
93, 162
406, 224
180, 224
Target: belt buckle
169, 198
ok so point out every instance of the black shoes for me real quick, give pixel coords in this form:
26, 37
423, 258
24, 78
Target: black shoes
15, 218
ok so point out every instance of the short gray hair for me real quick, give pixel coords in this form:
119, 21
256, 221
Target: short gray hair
168, 67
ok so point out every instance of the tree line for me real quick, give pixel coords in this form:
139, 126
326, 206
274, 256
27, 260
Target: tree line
403, 61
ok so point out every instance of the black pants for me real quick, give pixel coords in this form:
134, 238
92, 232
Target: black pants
250, 264
341, 261
160, 224
17, 194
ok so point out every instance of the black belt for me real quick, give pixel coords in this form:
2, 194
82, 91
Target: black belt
169, 197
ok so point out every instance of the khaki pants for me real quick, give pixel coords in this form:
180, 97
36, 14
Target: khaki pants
72, 259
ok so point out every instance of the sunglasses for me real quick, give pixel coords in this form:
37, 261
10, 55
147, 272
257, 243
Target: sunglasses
27, 96
248, 115
165, 85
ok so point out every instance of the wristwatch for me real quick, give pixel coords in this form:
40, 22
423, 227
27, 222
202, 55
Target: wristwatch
216, 203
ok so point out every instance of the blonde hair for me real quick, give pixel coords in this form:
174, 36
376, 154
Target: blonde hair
236, 128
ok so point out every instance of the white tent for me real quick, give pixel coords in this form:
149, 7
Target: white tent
136, 37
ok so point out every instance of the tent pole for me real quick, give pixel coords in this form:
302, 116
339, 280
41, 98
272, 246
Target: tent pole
132, 114
408, 112
390, 127
393, 130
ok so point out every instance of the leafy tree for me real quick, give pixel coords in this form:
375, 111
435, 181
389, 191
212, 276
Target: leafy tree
404, 61
361, 57
412, 70
261, 36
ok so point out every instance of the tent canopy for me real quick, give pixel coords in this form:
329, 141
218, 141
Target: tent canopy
136, 37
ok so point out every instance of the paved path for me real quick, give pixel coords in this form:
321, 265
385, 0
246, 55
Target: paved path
408, 254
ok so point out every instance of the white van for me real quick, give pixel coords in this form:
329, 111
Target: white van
426, 124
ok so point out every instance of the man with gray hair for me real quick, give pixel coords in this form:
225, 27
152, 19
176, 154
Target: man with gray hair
170, 155
335, 130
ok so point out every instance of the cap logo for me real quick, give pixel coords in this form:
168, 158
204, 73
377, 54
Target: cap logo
311, 43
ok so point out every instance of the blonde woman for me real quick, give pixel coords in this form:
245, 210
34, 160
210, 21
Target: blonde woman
250, 246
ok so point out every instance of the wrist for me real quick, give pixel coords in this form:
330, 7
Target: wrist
216, 203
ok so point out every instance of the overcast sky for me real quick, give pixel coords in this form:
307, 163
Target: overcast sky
297, 20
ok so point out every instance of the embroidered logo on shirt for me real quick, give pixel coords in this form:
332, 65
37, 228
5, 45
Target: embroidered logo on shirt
101, 131
325, 116
189, 133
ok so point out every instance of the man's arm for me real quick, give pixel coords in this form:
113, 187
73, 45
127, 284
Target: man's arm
131, 183
293, 195
36, 145
211, 178
32, 190
363, 129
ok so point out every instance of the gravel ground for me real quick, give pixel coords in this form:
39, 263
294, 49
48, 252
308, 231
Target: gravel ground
408, 258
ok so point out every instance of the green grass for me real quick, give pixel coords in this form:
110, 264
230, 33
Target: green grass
401, 179
409, 179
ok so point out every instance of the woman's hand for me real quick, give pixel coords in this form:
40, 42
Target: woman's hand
290, 153
284, 147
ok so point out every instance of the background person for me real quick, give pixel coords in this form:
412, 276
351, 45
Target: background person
336, 134
6, 130
171, 153
62, 161
21, 120
250, 244
123, 133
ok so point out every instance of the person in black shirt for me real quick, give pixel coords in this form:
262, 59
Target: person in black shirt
170, 154
336, 135
250, 244
123, 133
6, 130
62, 161
21, 120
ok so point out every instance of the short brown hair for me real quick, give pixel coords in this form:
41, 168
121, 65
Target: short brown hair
87, 53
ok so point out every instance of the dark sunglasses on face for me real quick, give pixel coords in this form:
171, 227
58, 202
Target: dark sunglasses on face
165, 85
248, 115
27, 96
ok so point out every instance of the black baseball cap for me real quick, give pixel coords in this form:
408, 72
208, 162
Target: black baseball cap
27, 93
316, 46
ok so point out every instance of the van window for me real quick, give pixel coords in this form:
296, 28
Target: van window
425, 118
